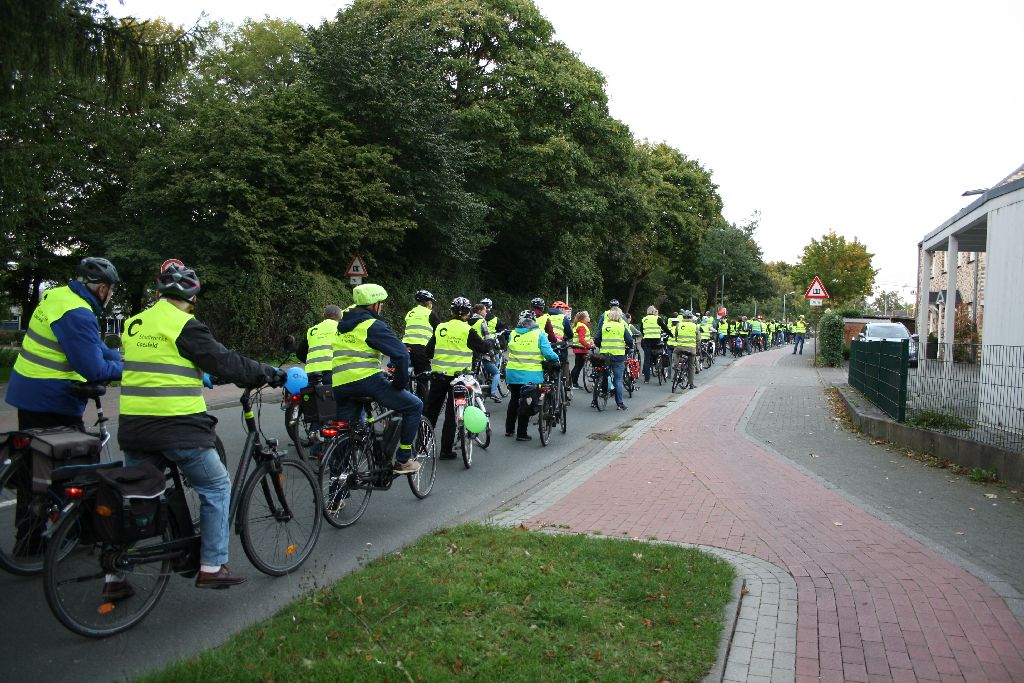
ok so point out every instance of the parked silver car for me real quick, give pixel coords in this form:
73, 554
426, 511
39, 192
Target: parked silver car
890, 332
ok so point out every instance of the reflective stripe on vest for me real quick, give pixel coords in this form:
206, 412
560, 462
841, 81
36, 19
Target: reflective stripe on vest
451, 348
42, 356
800, 327
320, 339
587, 336
417, 326
481, 329
542, 323
157, 380
652, 330
686, 333
613, 338
755, 326
524, 351
353, 359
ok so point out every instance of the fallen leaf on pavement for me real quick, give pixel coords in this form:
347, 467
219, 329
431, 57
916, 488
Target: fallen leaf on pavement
991, 495
959, 533
837, 523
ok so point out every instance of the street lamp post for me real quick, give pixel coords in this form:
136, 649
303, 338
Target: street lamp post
784, 303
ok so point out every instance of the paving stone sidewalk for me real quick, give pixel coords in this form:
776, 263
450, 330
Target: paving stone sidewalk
876, 600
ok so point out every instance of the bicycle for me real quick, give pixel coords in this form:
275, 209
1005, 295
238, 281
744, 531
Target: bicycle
680, 376
359, 459
466, 392
277, 503
553, 402
707, 353
480, 371
601, 379
737, 346
302, 415
660, 363
631, 372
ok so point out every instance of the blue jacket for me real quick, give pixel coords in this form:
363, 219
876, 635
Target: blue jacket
381, 338
531, 376
79, 335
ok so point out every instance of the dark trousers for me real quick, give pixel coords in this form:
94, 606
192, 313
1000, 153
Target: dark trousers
577, 368
438, 399
651, 347
420, 363
520, 408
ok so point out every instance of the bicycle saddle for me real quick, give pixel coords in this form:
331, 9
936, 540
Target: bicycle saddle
88, 390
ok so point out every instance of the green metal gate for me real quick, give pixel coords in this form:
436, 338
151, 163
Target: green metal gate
879, 371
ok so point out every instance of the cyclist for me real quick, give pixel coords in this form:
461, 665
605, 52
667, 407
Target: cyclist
687, 340
723, 330
451, 350
652, 328
494, 324
743, 332
614, 303
560, 326
582, 343
799, 331
528, 348
420, 322
478, 321
316, 349
543, 319
362, 338
63, 345
163, 412
614, 340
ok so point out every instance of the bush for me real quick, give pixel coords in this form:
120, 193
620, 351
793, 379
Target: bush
830, 340
7, 357
112, 341
934, 419
8, 337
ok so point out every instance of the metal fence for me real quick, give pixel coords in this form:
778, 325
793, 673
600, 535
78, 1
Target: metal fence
879, 371
970, 390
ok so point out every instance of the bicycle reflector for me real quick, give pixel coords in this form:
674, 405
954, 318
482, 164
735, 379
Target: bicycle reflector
74, 492
294, 398
329, 432
20, 441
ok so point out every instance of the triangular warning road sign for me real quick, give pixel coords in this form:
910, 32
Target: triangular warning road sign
357, 268
816, 290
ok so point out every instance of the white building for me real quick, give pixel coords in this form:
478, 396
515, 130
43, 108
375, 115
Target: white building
993, 225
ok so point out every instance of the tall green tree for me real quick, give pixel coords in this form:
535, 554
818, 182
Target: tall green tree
845, 268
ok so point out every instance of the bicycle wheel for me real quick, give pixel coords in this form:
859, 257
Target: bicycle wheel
345, 482
21, 530
627, 383
296, 431
502, 384
74, 577
483, 439
466, 445
585, 373
544, 420
677, 378
564, 410
279, 517
425, 449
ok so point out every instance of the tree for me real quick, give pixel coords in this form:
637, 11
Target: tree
888, 302
844, 268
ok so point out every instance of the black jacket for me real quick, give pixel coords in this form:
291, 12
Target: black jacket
196, 343
474, 341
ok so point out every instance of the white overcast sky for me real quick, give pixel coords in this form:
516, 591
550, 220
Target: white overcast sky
868, 118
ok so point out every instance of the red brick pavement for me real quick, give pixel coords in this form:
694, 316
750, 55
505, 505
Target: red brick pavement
873, 604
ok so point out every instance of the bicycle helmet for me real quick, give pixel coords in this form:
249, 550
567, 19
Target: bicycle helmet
687, 314
559, 304
461, 305
178, 282
528, 316
487, 302
613, 302
424, 295
537, 302
368, 295
96, 270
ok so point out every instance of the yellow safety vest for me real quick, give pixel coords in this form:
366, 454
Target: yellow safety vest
524, 351
587, 336
686, 333
542, 321
451, 348
723, 326
157, 379
613, 338
320, 339
353, 358
42, 356
652, 330
417, 326
481, 329
800, 327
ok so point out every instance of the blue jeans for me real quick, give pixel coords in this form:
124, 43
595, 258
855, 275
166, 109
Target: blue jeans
406, 403
618, 366
492, 368
209, 479
798, 342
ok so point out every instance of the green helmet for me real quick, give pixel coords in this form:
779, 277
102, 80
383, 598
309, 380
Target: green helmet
367, 295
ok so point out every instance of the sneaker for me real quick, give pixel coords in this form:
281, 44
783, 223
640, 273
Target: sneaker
496, 399
222, 578
509, 434
117, 590
621, 406
407, 467
524, 437
576, 386
447, 455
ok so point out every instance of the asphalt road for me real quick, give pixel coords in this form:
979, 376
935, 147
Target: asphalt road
35, 646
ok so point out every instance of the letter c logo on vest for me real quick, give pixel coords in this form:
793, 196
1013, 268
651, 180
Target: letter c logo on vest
133, 328
443, 332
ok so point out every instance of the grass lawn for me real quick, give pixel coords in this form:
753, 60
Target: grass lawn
493, 604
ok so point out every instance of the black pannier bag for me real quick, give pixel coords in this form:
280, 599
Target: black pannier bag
129, 503
51, 448
317, 404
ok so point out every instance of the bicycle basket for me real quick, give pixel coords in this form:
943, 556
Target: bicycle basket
317, 404
51, 448
129, 503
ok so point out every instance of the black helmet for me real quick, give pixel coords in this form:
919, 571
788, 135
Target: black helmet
613, 302
487, 302
461, 305
424, 295
537, 302
93, 270
178, 282
527, 315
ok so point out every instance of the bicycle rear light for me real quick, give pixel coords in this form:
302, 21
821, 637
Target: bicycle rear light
294, 398
20, 441
460, 401
329, 432
74, 493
